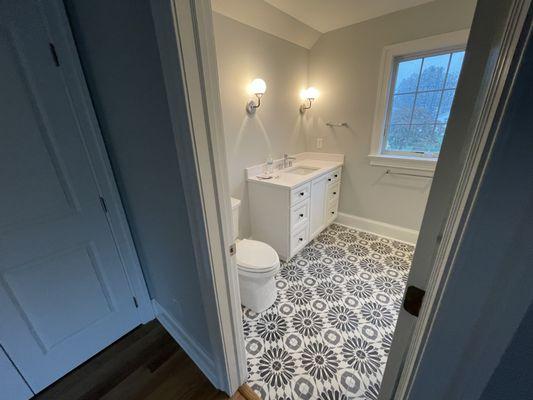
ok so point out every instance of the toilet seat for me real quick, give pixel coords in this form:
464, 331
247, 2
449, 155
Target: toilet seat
256, 257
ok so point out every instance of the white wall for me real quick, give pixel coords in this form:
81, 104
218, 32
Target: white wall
344, 66
244, 53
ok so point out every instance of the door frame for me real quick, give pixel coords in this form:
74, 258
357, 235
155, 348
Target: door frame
60, 35
185, 36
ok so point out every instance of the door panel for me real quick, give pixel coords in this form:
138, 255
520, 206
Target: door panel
63, 290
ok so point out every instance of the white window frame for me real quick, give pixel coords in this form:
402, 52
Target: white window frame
452, 41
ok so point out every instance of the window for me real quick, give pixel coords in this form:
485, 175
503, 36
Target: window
417, 88
420, 103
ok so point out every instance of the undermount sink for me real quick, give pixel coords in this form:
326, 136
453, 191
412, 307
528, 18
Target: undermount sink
301, 170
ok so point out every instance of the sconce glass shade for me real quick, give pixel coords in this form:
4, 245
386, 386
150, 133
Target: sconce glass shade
308, 95
258, 86
311, 93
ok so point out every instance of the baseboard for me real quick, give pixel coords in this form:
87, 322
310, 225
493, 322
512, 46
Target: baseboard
195, 352
380, 228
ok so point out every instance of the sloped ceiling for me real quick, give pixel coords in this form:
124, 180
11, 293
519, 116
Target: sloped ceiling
327, 15
303, 21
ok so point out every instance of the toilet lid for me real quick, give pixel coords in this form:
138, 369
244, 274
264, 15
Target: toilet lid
256, 256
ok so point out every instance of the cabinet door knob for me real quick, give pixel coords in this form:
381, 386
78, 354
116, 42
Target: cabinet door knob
302, 193
333, 212
336, 175
334, 192
301, 239
301, 215
329, 179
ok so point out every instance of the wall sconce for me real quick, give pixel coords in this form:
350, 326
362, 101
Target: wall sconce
258, 88
310, 94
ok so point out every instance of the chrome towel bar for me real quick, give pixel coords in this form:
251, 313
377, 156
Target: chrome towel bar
337, 124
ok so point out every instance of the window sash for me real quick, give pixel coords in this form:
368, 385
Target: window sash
392, 84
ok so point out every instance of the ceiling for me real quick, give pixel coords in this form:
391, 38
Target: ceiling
327, 15
303, 21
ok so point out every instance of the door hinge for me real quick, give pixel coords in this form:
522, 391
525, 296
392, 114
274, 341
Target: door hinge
413, 300
103, 204
232, 249
135, 302
54, 54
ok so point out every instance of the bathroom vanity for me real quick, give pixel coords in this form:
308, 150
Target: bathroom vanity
297, 203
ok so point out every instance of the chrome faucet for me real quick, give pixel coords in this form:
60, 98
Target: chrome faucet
287, 161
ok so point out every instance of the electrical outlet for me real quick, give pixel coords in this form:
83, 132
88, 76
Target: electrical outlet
319, 142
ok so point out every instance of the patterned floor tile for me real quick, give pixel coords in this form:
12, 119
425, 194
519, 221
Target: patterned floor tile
329, 332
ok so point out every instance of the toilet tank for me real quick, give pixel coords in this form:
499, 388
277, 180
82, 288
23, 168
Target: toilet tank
235, 205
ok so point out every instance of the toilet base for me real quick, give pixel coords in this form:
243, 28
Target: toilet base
257, 293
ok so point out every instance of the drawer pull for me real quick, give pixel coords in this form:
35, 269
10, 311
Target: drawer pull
333, 212
301, 239
301, 215
302, 193
329, 179
336, 176
334, 193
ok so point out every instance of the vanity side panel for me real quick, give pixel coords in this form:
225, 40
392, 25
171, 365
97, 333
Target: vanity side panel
269, 214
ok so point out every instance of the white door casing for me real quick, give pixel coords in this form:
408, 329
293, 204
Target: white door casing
64, 290
184, 31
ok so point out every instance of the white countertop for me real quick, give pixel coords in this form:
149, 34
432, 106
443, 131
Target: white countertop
283, 178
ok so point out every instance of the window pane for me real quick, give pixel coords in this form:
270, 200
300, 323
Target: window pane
402, 107
407, 76
423, 138
445, 105
398, 138
426, 107
438, 137
455, 69
433, 72
420, 105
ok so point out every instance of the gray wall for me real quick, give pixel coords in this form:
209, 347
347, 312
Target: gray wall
119, 54
245, 53
345, 66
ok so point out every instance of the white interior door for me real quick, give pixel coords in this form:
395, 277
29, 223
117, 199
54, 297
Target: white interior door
64, 294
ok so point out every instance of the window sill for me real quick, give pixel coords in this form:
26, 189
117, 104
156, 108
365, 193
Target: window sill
393, 161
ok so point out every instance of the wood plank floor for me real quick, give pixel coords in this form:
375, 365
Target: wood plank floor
145, 364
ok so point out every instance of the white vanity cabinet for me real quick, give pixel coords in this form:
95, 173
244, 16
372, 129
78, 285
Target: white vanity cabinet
288, 218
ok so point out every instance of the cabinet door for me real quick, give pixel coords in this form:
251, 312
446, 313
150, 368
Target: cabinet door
318, 205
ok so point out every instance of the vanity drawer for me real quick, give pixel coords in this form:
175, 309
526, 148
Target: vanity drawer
331, 211
299, 239
300, 193
299, 214
334, 176
333, 192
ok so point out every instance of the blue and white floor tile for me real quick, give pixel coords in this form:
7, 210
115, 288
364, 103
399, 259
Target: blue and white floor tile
329, 332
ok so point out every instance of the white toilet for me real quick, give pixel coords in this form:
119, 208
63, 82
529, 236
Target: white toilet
257, 263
